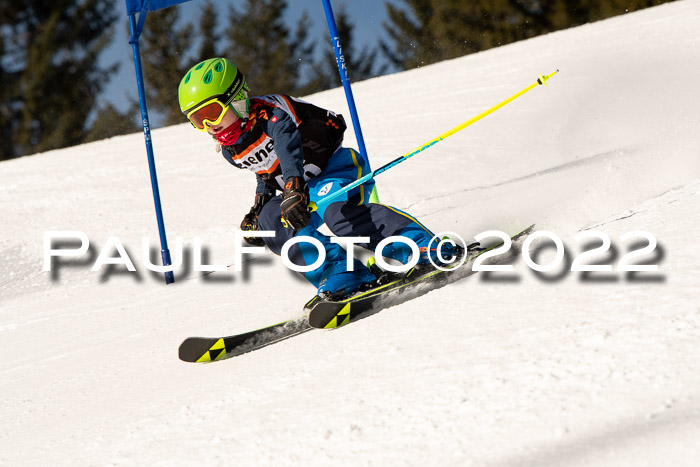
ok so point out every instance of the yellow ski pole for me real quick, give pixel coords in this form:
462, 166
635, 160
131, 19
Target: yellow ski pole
541, 80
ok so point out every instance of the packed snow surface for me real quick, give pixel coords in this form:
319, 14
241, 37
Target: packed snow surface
522, 368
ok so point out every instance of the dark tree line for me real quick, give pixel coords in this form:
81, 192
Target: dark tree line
49, 77
427, 31
51, 84
253, 34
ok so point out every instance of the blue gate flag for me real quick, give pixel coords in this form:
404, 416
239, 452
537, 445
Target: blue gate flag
135, 6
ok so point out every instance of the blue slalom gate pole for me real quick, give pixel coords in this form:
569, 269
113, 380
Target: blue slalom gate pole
135, 30
345, 80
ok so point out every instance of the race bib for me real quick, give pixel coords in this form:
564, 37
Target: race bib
260, 157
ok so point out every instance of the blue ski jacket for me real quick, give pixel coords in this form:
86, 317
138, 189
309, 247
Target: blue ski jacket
285, 137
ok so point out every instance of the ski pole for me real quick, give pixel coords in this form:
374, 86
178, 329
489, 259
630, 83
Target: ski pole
541, 80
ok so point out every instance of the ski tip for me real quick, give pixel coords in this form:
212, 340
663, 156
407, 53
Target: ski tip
201, 349
330, 315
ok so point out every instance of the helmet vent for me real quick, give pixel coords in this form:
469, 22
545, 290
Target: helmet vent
207, 77
198, 67
219, 67
187, 78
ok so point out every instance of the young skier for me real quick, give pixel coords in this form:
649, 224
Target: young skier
295, 148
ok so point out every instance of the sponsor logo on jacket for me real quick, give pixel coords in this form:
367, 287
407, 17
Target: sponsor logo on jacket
260, 157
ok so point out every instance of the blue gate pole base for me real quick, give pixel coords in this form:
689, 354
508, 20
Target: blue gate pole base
169, 276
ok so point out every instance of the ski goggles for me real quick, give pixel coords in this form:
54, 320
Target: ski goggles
214, 108
210, 112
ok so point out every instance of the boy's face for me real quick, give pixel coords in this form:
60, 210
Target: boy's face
229, 119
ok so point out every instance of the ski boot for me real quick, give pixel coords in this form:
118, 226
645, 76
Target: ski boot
339, 283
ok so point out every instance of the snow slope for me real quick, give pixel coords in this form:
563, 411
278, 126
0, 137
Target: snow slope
515, 369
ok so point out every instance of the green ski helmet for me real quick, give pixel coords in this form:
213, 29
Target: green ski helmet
213, 79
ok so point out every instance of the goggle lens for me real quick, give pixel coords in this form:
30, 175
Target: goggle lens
212, 112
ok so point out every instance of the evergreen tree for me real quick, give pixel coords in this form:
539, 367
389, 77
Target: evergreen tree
412, 34
208, 25
360, 65
8, 104
272, 58
111, 122
164, 45
303, 66
50, 76
429, 31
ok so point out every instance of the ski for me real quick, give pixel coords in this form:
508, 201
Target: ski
329, 314
210, 349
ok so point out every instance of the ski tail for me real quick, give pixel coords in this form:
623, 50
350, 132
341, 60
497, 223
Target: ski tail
210, 349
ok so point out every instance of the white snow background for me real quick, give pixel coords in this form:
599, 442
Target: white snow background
518, 369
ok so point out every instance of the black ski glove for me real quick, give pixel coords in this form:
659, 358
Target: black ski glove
295, 199
250, 220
